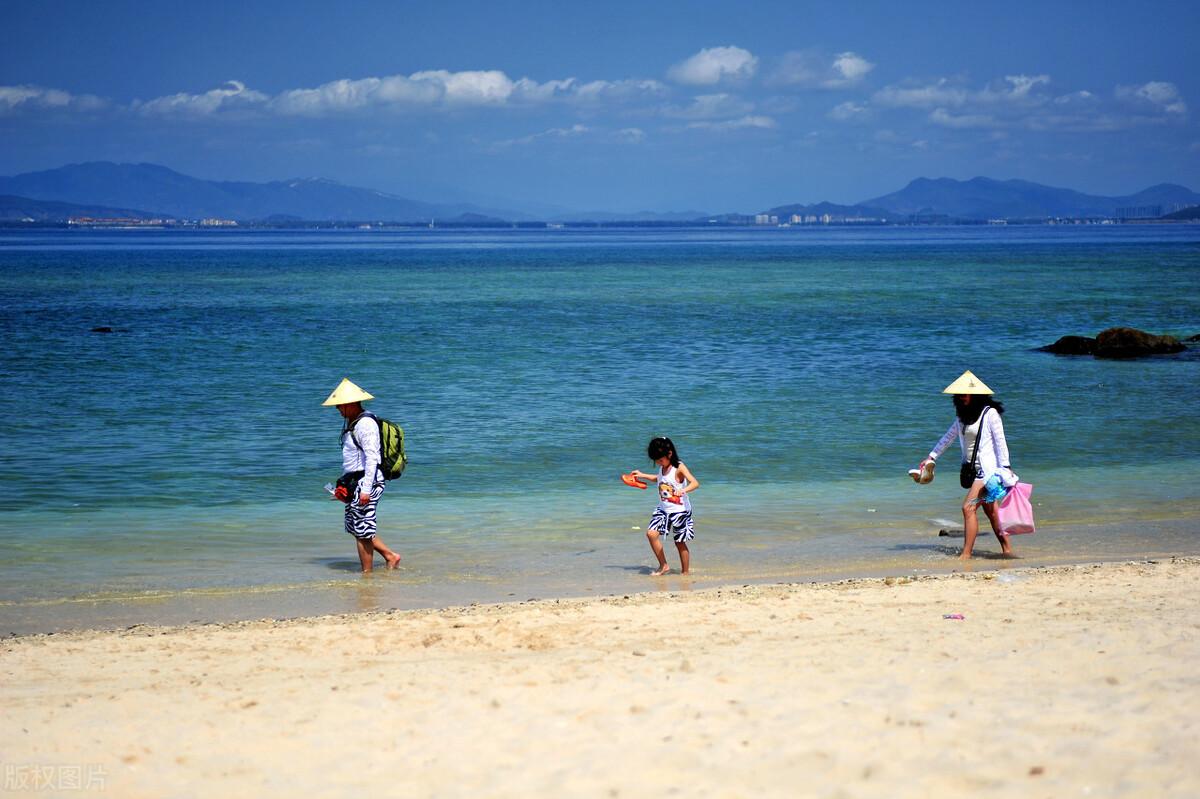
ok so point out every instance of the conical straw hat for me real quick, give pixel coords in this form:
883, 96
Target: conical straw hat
345, 393
967, 384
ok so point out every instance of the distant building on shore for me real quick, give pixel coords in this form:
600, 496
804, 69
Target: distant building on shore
115, 221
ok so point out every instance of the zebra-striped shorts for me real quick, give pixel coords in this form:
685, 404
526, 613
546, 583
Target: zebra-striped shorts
360, 519
678, 525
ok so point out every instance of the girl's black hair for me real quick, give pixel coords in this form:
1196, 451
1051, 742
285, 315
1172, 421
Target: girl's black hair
969, 414
661, 447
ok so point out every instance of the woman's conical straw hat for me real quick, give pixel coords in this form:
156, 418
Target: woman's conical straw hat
345, 393
967, 384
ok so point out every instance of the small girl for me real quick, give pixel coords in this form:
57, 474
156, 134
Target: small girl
674, 512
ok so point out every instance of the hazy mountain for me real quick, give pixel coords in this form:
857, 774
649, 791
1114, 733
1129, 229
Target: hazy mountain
984, 198
633, 216
106, 189
13, 209
173, 194
863, 211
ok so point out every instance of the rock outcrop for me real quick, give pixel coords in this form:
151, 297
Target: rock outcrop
1118, 342
1128, 342
1071, 345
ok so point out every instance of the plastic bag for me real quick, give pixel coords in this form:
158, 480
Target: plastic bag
1015, 511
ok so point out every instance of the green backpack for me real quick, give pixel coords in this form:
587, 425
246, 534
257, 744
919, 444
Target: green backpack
392, 457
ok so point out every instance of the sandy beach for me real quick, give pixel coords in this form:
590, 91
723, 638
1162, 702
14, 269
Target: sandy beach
1057, 682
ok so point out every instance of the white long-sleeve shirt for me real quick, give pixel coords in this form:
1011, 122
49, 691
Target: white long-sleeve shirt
367, 459
993, 449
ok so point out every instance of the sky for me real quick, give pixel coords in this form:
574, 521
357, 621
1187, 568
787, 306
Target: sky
617, 106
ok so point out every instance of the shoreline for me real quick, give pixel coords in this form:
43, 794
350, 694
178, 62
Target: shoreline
994, 568
416, 590
205, 606
1063, 679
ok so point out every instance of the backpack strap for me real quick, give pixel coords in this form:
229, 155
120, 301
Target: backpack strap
350, 428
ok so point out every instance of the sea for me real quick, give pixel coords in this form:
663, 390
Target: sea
172, 471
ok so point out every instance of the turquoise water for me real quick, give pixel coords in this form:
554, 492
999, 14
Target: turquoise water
172, 471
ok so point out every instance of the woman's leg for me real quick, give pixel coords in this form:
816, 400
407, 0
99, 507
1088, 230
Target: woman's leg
970, 520
989, 508
656, 545
393, 559
366, 554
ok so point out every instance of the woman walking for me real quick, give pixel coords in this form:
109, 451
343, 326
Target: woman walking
985, 471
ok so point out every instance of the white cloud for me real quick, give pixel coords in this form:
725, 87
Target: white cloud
1022, 85
631, 135
1161, 95
746, 122
470, 88
1023, 101
346, 95
852, 67
815, 70
233, 94
714, 64
457, 89
552, 133
14, 98
711, 106
843, 112
943, 117
940, 94
616, 91
426, 88
532, 91
1075, 98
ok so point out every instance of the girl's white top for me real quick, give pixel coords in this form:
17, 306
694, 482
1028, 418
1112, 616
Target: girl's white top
366, 460
671, 498
993, 449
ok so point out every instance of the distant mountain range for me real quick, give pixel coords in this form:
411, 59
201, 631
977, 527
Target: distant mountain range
159, 191
17, 209
984, 198
819, 210
105, 189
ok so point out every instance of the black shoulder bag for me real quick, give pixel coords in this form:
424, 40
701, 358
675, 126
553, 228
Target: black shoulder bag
967, 472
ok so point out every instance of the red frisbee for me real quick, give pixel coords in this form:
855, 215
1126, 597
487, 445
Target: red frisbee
630, 480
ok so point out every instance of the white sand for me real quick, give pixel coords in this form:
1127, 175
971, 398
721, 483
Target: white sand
1060, 682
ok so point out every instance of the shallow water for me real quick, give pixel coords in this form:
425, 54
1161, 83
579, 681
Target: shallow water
172, 471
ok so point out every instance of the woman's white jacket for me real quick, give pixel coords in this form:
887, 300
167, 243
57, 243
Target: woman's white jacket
993, 449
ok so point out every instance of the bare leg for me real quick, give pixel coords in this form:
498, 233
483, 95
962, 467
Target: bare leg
366, 555
989, 510
656, 545
970, 520
392, 558
685, 557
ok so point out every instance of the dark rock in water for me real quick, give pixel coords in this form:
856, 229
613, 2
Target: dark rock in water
952, 532
1071, 345
1126, 342
102, 330
1193, 338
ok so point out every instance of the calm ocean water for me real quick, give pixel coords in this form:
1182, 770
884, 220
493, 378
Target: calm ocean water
172, 471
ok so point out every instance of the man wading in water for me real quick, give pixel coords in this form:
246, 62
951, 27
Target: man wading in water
361, 484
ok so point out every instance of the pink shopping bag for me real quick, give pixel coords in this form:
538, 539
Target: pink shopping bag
1016, 511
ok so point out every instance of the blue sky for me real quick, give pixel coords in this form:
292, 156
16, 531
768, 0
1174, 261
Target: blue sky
711, 106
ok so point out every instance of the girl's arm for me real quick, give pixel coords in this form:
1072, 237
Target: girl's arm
692, 482
944, 441
643, 476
